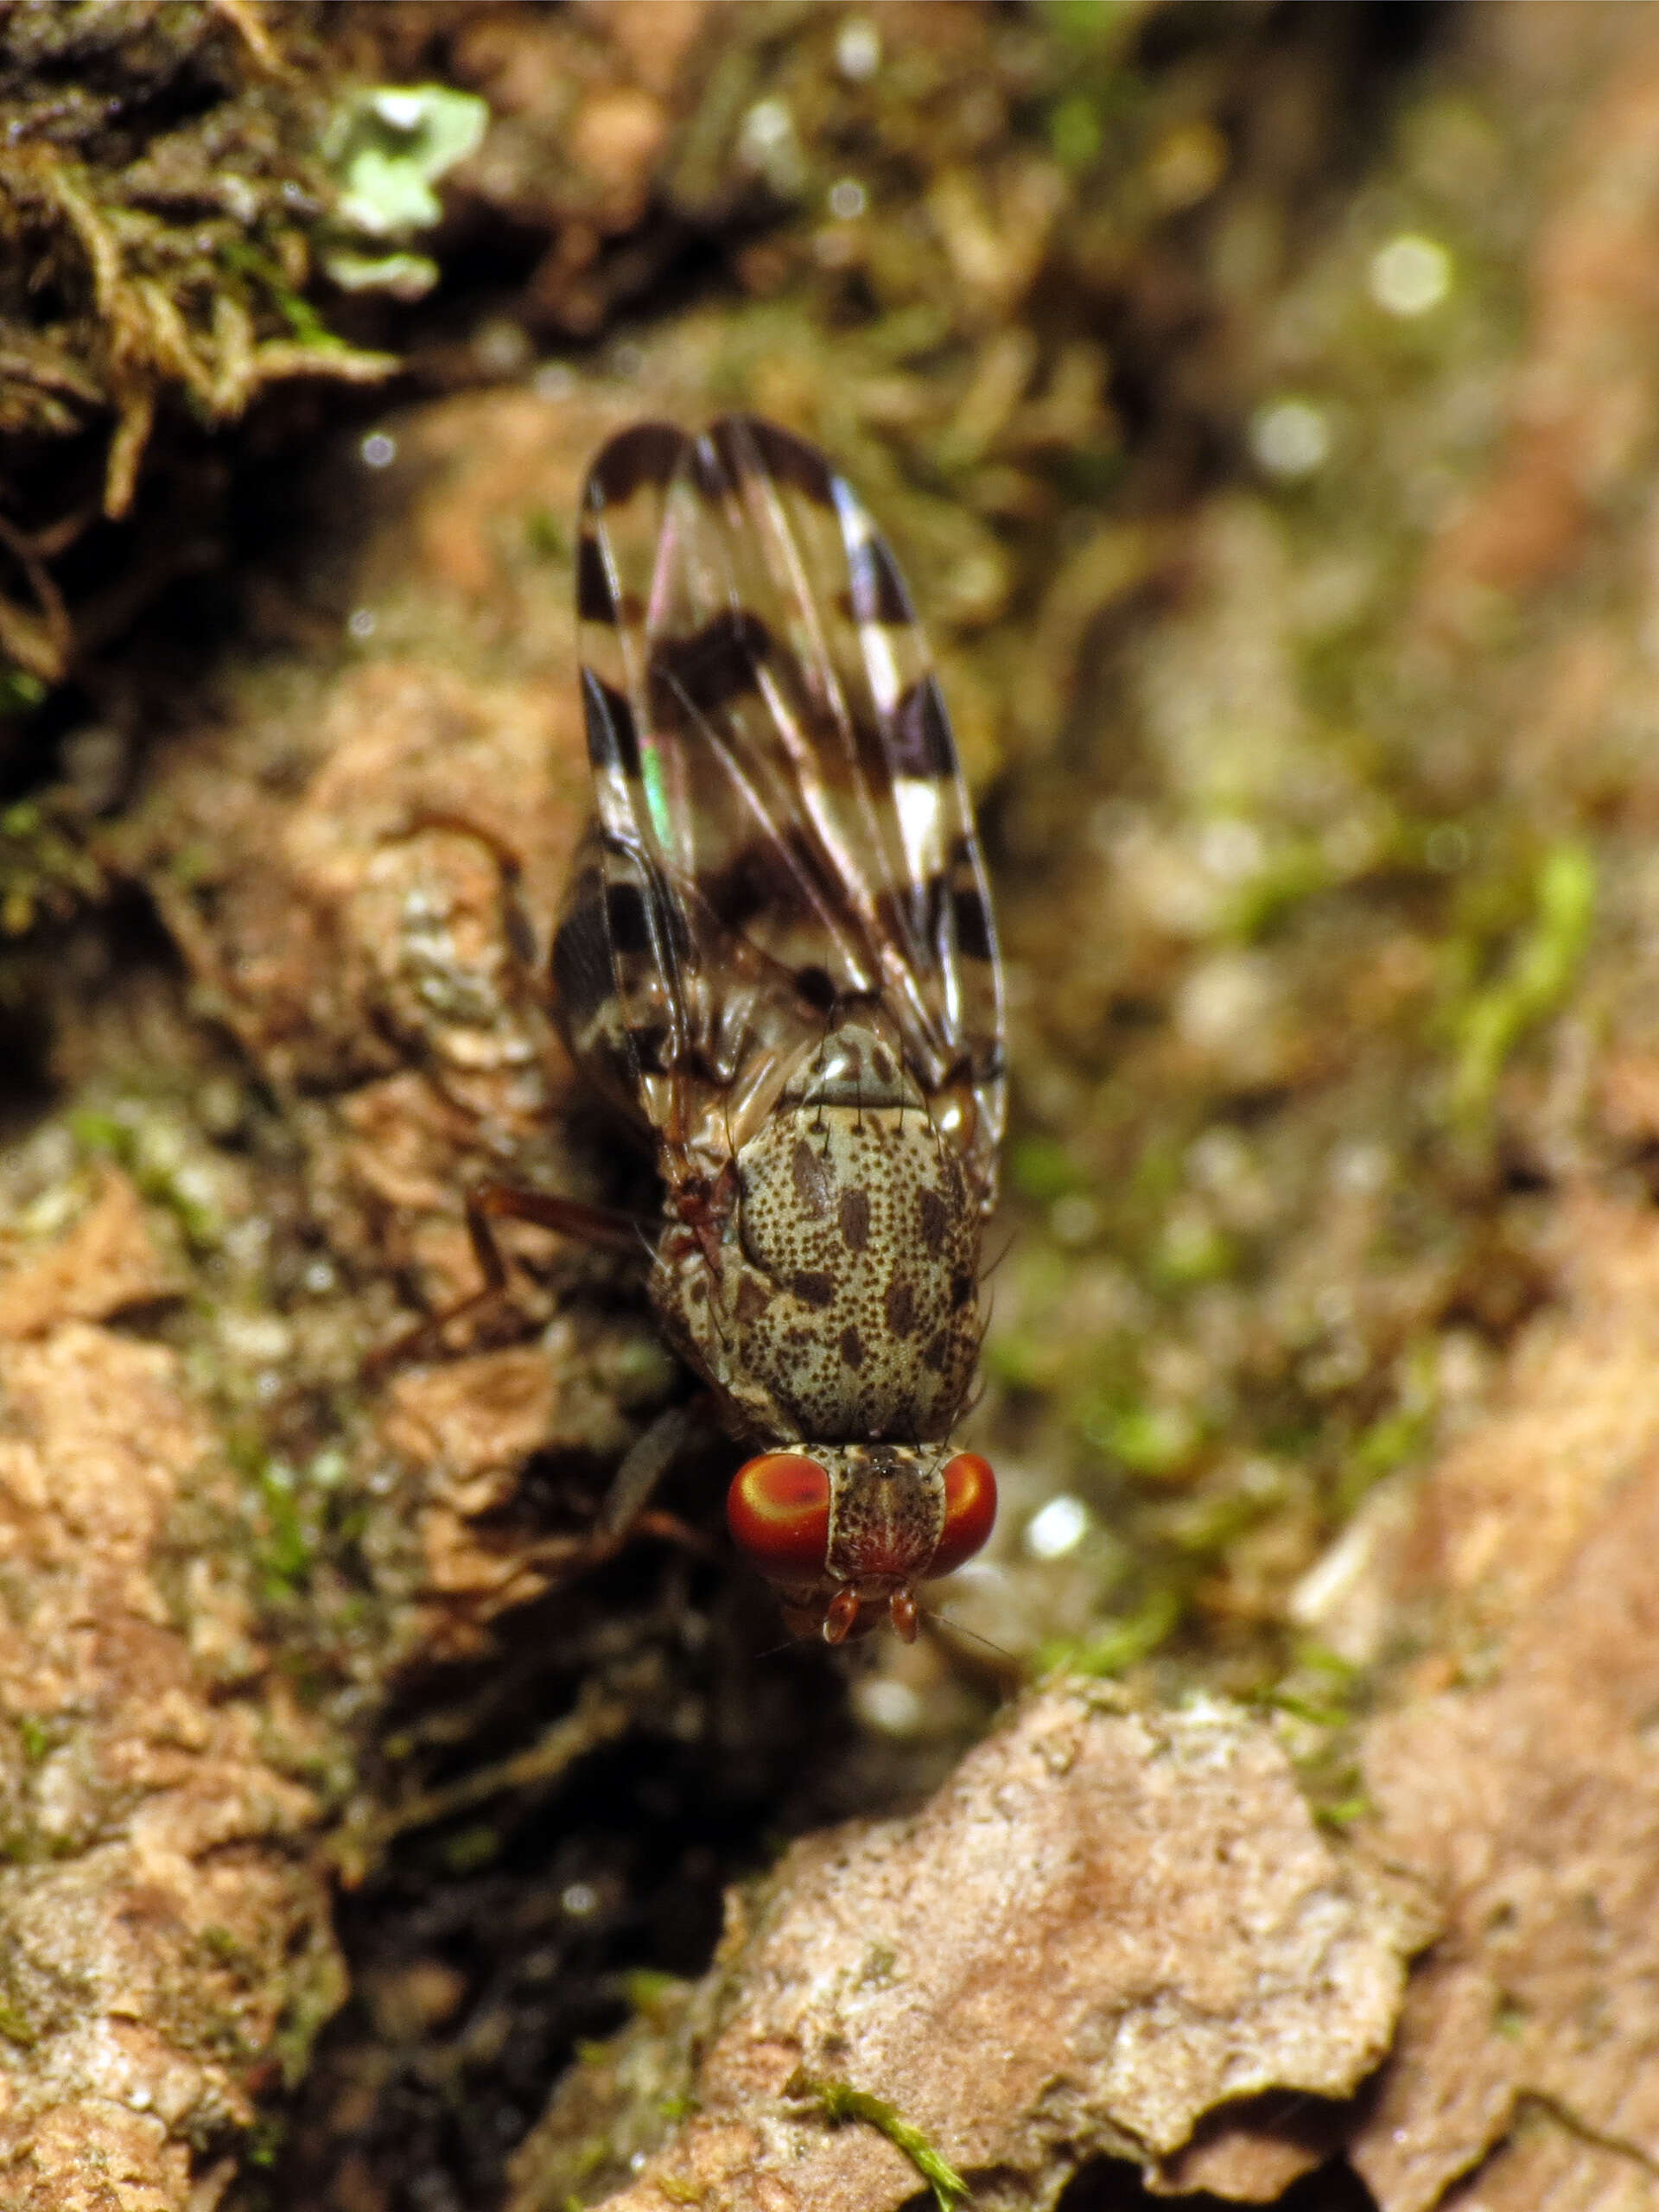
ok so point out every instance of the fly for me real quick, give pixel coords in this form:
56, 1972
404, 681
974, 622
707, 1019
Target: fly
776, 958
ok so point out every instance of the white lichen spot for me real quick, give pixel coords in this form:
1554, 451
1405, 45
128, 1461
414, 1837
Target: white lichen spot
1290, 438
1224, 1000
1231, 849
889, 1706
768, 144
1362, 1168
1057, 1528
1410, 275
858, 49
255, 1338
502, 347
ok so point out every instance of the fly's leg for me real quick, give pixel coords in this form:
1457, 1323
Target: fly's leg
643, 1466
491, 1202
515, 922
598, 1225
627, 1511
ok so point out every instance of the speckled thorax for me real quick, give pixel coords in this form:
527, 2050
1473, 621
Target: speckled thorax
828, 1285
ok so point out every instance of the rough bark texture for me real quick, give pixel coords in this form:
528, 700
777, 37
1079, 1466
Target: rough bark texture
1534, 1808
1104, 1926
166, 1941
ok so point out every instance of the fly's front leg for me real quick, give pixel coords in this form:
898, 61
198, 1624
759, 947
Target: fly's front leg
488, 1202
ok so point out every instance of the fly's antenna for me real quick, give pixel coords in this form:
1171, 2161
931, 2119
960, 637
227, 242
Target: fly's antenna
944, 1629
777, 1650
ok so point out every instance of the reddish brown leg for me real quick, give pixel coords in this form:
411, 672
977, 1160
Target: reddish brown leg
615, 1232
520, 935
627, 1512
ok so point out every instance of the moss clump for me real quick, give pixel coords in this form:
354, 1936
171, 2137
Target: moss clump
161, 182
1534, 980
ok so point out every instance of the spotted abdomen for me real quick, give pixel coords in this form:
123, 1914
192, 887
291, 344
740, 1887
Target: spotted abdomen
849, 1277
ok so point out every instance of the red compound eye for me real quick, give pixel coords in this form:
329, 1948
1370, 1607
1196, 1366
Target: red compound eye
969, 1511
778, 1510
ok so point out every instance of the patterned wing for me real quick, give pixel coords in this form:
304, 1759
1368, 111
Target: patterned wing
782, 833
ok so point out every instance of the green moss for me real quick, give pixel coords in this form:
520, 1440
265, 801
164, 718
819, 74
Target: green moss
1308, 1709
1074, 135
151, 1139
193, 864
1153, 1440
1317, 1659
265, 2139
316, 1986
546, 535
160, 235
15, 2028
1342, 1813
27, 1847
1042, 1169
285, 1553
648, 1989
840, 2101
1018, 1363
1205, 1527
243, 259
1395, 1437
1191, 1251
470, 1848
1159, 1167
678, 2191
1535, 979
46, 871
1116, 1645
1297, 868
21, 690
1093, 27
223, 1948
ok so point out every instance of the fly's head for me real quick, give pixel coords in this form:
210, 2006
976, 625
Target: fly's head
846, 1531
